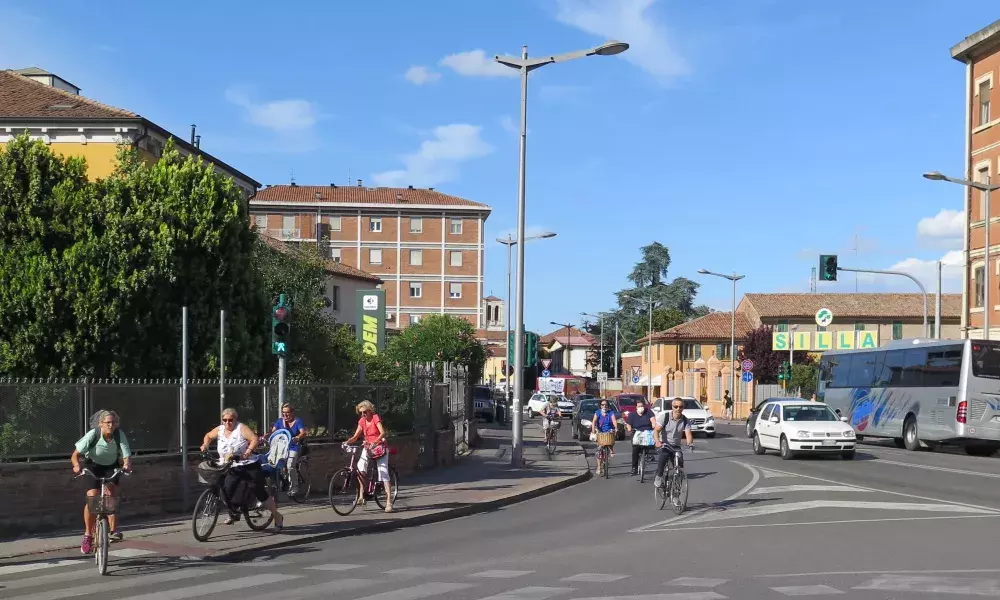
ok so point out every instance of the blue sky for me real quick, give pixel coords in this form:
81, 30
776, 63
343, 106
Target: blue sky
744, 135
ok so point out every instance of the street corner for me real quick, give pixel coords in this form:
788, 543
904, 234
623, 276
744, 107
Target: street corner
777, 498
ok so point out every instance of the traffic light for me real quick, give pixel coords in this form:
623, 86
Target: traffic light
281, 326
530, 348
783, 372
828, 267
788, 372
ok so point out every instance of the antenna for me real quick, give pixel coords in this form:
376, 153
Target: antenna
856, 246
812, 281
291, 176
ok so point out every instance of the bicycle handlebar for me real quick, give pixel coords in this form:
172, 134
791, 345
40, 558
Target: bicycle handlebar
86, 471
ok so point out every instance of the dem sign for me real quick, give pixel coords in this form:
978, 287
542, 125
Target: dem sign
370, 324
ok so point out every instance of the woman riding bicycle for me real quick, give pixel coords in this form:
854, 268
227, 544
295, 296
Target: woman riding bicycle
371, 428
550, 417
101, 449
606, 421
294, 425
237, 443
638, 421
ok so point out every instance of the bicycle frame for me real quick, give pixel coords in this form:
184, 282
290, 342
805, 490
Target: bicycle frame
102, 526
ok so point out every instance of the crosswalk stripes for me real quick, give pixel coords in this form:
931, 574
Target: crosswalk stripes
105, 586
206, 589
334, 567
130, 552
807, 590
668, 596
929, 584
530, 593
593, 578
501, 574
23, 568
416, 592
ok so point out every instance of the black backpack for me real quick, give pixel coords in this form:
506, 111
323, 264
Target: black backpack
117, 435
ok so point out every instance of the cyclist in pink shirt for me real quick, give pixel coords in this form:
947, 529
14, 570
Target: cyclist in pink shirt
370, 427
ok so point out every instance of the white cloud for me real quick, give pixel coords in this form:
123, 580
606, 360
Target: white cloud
924, 270
475, 63
943, 229
437, 160
419, 75
277, 115
629, 21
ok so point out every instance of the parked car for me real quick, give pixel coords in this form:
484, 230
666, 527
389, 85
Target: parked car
501, 405
583, 416
626, 403
540, 399
701, 418
578, 398
798, 426
484, 405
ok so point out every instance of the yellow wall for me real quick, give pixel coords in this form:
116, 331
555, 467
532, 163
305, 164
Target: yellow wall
102, 158
495, 362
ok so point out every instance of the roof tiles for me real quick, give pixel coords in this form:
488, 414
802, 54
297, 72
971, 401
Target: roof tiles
318, 194
24, 98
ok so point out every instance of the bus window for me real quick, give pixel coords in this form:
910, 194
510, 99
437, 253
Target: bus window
862, 370
892, 367
883, 372
914, 365
944, 366
842, 370
825, 371
986, 360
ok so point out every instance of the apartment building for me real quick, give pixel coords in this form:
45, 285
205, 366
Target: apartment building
980, 52
428, 247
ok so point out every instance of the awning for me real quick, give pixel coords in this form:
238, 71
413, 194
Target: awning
644, 380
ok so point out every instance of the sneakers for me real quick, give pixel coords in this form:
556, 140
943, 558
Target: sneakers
634, 472
658, 482
115, 536
88, 545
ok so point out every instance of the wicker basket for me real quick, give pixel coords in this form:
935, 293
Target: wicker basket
108, 505
606, 439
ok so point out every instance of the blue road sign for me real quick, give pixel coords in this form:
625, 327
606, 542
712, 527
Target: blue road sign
546, 373
747, 376
635, 379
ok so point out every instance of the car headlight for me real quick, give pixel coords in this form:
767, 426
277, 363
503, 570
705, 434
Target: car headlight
802, 434
710, 419
849, 433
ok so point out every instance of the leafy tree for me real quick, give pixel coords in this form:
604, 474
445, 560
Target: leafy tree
653, 267
804, 379
767, 362
441, 338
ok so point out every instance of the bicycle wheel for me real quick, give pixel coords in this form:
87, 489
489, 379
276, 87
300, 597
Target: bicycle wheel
257, 515
679, 492
206, 514
304, 482
343, 493
380, 489
660, 491
605, 453
642, 466
550, 444
101, 539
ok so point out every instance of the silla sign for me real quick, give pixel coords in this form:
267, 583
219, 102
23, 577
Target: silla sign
821, 341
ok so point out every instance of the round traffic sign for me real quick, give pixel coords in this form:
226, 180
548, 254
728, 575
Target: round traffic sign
747, 365
824, 317
747, 376
546, 373
635, 379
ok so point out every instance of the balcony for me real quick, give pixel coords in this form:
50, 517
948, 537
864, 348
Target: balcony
285, 234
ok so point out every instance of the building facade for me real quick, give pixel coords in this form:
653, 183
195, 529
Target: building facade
428, 247
573, 352
980, 53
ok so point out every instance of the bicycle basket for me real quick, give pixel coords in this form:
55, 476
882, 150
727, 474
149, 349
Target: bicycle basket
108, 505
208, 473
606, 439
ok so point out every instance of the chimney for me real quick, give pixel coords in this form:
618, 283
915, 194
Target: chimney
318, 196
197, 141
359, 183
193, 129
333, 185
293, 184
410, 187
431, 189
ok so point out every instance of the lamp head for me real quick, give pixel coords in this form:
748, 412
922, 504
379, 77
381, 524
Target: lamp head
611, 48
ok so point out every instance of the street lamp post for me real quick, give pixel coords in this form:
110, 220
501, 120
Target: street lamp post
732, 333
509, 241
986, 187
525, 65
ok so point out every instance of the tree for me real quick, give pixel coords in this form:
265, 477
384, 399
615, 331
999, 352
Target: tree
441, 338
652, 268
767, 362
804, 379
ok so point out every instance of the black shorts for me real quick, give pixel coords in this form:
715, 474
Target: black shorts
99, 471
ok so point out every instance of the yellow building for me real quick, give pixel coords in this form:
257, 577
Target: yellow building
52, 110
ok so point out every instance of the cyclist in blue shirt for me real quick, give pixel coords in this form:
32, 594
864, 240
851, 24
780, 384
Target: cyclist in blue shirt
294, 426
606, 421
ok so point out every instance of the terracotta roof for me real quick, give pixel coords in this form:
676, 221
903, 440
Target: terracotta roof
577, 337
713, 326
491, 298
853, 306
331, 266
277, 194
24, 98
497, 336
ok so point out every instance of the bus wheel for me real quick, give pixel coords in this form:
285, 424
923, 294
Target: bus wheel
910, 440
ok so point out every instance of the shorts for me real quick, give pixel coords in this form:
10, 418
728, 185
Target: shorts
381, 465
99, 471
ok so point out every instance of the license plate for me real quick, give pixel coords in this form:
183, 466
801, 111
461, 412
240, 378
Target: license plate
829, 442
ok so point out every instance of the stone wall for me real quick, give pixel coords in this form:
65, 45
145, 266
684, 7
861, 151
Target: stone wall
43, 495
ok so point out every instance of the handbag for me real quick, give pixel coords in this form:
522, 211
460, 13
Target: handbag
377, 451
593, 437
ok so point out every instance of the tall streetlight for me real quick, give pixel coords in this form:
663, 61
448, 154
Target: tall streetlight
600, 320
525, 66
732, 331
510, 241
986, 187
649, 347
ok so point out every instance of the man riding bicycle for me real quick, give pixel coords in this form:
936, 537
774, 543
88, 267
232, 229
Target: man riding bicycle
550, 417
670, 427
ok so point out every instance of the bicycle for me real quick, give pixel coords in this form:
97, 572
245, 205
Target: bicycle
102, 507
279, 480
344, 483
210, 502
604, 453
551, 433
675, 481
644, 439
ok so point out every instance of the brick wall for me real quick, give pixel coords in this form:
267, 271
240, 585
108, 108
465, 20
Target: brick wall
41, 495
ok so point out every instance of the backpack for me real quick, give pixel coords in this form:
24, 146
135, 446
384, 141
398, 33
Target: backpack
117, 436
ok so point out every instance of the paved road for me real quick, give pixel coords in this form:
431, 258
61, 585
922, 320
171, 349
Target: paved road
890, 524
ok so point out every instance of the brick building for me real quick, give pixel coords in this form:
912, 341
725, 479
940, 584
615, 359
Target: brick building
426, 246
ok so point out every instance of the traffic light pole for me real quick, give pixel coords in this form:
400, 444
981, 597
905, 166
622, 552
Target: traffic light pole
281, 382
927, 329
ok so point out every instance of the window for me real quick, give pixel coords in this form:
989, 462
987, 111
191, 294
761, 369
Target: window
260, 221
416, 258
984, 103
456, 226
782, 326
657, 352
456, 258
335, 223
335, 254
859, 326
897, 330
287, 225
766, 413
375, 225
979, 285
455, 290
986, 360
690, 351
841, 365
722, 351
982, 176
944, 367
862, 370
416, 224
821, 328
914, 365
416, 289
414, 319
375, 256
335, 300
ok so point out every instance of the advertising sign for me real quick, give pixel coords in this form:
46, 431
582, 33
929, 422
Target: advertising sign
822, 341
371, 320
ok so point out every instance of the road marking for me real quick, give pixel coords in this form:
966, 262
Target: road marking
678, 596
530, 593
747, 487
40, 580
807, 488
936, 468
593, 578
334, 567
411, 571
416, 592
501, 574
13, 569
130, 552
934, 585
843, 522
319, 590
217, 587
697, 582
111, 585
880, 572
757, 511
769, 474
807, 590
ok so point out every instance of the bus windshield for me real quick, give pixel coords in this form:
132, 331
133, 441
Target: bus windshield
986, 360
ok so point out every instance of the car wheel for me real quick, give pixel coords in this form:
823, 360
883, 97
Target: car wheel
786, 452
749, 429
847, 454
758, 448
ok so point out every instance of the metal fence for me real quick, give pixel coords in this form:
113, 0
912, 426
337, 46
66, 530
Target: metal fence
43, 419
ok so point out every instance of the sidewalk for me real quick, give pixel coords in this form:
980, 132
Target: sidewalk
479, 482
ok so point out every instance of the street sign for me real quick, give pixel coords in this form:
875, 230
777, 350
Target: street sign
747, 376
635, 379
637, 371
602, 377
824, 317
545, 365
747, 365
546, 373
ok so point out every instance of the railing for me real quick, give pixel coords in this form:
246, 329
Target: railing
285, 234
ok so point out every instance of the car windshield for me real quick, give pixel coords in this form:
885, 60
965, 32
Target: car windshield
482, 393
628, 400
538, 398
588, 407
809, 413
692, 405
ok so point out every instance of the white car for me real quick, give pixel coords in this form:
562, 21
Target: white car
539, 400
701, 418
796, 426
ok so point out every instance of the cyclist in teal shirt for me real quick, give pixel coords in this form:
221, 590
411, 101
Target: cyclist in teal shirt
101, 448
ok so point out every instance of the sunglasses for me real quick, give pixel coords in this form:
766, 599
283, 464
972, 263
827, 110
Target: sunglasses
228, 420
285, 413
677, 407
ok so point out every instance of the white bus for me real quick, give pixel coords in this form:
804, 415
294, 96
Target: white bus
920, 393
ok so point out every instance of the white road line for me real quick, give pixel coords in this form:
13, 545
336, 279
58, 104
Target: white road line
679, 596
40, 580
807, 590
779, 489
501, 574
530, 593
769, 474
936, 468
747, 487
416, 592
319, 590
593, 578
111, 585
412, 571
772, 509
697, 582
934, 585
334, 567
680, 528
14, 569
217, 587
880, 572
130, 552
